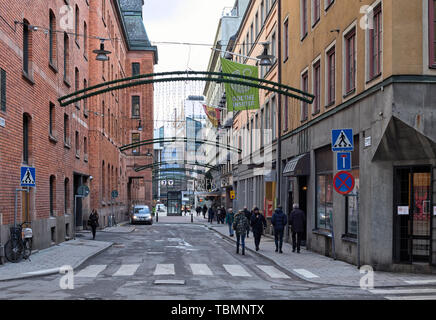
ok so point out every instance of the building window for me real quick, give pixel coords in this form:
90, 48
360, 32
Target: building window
136, 69
77, 28
52, 118
52, 195
52, 39
331, 76
66, 56
135, 139
85, 39
317, 86
262, 13
102, 115
273, 45
303, 18
77, 143
273, 118
285, 113
2, 90
135, 107
305, 88
316, 11
267, 124
350, 61
27, 43
262, 127
328, 3
66, 130
286, 40
85, 85
85, 147
375, 44
76, 84
324, 187
26, 136
66, 195
432, 32
256, 24
103, 181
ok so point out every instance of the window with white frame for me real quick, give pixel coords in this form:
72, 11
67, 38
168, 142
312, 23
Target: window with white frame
286, 39
316, 11
350, 60
316, 85
304, 87
375, 43
303, 18
327, 4
331, 76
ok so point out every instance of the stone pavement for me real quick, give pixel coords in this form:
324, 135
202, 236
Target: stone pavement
49, 261
308, 265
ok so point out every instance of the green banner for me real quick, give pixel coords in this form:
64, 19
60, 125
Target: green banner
240, 97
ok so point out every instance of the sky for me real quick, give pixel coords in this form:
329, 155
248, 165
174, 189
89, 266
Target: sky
193, 21
181, 21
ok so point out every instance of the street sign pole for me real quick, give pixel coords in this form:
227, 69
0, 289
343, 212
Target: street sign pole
15, 213
333, 236
358, 226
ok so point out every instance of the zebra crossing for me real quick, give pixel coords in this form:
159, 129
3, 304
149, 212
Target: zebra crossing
168, 269
406, 293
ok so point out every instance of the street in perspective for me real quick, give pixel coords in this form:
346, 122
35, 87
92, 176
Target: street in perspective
229, 153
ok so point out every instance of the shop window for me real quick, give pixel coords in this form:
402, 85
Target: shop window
324, 187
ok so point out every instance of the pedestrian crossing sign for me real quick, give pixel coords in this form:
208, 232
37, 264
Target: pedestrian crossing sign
28, 177
342, 140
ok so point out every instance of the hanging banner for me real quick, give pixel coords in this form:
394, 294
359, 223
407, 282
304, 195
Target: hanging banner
213, 114
240, 97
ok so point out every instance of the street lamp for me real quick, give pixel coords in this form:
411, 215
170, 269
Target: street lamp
102, 53
263, 60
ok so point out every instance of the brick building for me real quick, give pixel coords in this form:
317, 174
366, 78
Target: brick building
45, 53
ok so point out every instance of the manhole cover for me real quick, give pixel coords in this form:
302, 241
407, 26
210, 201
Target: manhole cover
171, 282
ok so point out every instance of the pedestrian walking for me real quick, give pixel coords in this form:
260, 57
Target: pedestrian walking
279, 221
210, 215
93, 222
240, 225
230, 217
204, 211
198, 210
297, 222
218, 215
258, 225
248, 216
223, 214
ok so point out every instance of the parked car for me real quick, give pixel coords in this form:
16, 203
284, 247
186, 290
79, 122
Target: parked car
141, 214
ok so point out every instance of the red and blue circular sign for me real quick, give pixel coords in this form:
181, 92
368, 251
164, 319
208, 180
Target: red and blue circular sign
343, 182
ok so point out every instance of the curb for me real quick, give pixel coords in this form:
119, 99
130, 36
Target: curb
39, 273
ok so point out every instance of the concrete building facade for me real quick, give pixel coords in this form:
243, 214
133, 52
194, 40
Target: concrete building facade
370, 65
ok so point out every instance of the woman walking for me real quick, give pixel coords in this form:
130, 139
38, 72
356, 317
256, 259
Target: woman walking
93, 222
258, 224
240, 225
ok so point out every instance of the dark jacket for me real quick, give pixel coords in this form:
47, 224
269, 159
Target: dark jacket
297, 220
279, 220
94, 220
204, 209
198, 209
258, 223
247, 214
211, 212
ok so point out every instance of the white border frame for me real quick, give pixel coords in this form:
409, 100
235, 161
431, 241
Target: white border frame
326, 71
316, 60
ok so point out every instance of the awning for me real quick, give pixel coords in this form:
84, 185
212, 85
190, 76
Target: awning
298, 166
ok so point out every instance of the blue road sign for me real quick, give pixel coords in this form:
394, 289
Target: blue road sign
343, 161
28, 177
342, 140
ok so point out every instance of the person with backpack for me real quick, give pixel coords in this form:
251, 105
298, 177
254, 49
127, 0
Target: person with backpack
279, 220
240, 225
230, 217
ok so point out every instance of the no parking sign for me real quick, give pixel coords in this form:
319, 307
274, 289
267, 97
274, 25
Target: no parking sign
343, 182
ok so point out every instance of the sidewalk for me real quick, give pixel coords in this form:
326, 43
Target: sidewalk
311, 266
48, 261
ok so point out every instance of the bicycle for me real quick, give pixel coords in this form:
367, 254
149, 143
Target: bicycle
16, 248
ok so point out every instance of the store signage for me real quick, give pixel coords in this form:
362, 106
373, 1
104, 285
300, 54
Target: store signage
403, 210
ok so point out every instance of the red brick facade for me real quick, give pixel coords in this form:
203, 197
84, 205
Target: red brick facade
69, 162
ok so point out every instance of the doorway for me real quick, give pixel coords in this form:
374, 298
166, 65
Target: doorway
302, 201
412, 214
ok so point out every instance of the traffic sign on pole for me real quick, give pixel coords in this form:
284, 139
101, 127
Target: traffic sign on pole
342, 140
343, 182
343, 161
28, 177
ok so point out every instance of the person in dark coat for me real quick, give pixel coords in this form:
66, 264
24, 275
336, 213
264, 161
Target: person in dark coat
279, 220
230, 216
247, 214
223, 214
198, 210
211, 214
258, 225
204, 211
218, 215
93, 222
297, 221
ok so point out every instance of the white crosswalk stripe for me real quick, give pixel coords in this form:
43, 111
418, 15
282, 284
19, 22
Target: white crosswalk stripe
411, 298
91, 271
126, 270
305, 273
273, 272
402, 291
236, 270
406, 294
201, 269
164, 269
